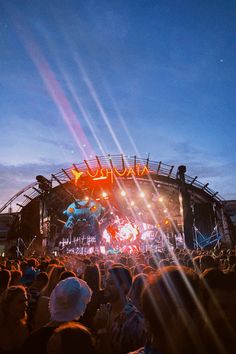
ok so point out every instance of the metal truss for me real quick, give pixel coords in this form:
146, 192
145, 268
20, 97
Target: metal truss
159, 172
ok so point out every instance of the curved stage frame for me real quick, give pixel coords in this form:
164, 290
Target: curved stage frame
159, 174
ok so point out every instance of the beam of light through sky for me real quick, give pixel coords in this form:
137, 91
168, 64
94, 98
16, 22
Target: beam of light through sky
55, 90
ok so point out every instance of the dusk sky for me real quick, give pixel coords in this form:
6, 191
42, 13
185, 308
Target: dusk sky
87, 77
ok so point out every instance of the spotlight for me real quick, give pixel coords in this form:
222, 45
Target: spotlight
44, 184
86, 198
149, 206
93, 208
160, 199
140, 213
104, 194
165, 211
142, 194
132, 203
123, 193
111, 213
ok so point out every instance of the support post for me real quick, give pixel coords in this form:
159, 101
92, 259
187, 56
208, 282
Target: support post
185, 205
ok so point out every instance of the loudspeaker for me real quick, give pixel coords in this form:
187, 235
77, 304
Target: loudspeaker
204, 218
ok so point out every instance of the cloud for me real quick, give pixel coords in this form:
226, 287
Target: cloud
213, 169
187, 150
66, 146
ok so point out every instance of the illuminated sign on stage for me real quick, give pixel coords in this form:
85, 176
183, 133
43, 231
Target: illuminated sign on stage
105, 173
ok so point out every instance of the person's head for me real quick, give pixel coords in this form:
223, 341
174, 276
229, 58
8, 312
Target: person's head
5, 278
231, 260
53, 279
137, 287
189, 263
138, 269
170, 308
69, 299
15, 277
71, 338
213, 278
43, 265
233, 268
67, 274
9, 264
118, 283
123, 260
14, 303
93, 277
207, 262
54, 261
32, 262
130, 262
164, 263
219, 290
153, 262
16, 265
196, 263
40, 281
148, 270
86, 261
218, 287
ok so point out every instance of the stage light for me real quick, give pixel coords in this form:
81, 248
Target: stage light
149, 206
165, 211
166, 222
99, 178
160, 199
93, 208
139, 213
103, 249
104, 194
97, 199
123, 193
142, 194
86, 198
132, 203
44, 184
111, 213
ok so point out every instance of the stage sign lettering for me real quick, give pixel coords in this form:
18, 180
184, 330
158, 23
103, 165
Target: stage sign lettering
110, 173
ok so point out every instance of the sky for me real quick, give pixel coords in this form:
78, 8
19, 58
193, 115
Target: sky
84, 78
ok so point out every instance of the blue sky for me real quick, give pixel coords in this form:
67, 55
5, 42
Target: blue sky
79, 78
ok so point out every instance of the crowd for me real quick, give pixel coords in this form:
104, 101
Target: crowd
181, 302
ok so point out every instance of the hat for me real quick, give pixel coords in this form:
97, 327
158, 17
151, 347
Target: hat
69, 299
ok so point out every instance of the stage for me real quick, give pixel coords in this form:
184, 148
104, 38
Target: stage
118, 204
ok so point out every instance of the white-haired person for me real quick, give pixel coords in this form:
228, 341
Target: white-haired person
68, 302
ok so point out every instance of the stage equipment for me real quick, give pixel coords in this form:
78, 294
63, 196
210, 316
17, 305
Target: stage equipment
44, 184
87, 213
185, 205
165, 196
